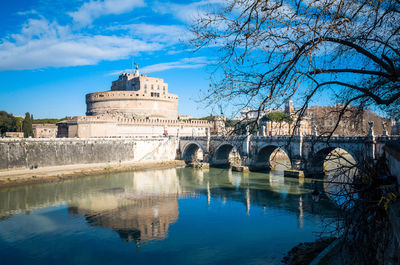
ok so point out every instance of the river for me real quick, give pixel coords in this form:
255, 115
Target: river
160, 216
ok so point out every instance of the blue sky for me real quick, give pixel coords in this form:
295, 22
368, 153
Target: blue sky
53, 52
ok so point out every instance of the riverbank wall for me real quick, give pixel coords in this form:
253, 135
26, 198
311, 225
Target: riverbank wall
38, 153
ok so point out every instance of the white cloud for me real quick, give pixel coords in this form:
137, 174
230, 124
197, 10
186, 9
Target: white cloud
168, 34
89, 11
27, 13
185, 63
187, 13
43, 44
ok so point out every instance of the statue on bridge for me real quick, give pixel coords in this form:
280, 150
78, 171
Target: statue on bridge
384, 131
371, 128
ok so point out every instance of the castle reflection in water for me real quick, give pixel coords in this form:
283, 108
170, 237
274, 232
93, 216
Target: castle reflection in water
142, 205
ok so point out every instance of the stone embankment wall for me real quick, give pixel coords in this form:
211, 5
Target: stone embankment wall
393, 158
27, 153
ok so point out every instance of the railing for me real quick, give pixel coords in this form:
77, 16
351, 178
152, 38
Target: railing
110, 138
304, 138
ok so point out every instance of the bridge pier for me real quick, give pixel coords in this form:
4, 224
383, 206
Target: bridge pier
298, 164
306, 153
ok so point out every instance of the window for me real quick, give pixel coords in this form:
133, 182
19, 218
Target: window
145, 85
152, 86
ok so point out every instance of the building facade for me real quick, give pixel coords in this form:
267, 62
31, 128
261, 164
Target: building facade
136, 105
44, 130
395, 127
353, 121
100, 126
14, 135
323, 120
134, 96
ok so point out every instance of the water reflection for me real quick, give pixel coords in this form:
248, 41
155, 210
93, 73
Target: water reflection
141, 206
340, 169
139, 212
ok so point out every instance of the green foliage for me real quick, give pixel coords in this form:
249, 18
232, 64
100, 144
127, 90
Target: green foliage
240, 128
8, 123
277, 117
207, 118
27, 125
47, 121
19, 123
230, 123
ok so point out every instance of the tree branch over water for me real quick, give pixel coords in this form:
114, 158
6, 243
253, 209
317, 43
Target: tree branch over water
276, 50
272, 51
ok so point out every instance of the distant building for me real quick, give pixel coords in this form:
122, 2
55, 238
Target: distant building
322, 121
354, 121
184, 117
218, 127
14, 134
289, 107
395, 128
272, 128
303, 127
134, 96
248, 114
136, 105
44, 130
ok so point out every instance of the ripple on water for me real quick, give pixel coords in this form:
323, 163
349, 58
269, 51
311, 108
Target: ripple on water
172, 216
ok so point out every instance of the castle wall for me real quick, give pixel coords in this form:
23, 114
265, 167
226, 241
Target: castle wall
97, 126
157, 130
393, 159
131, 104
44, 130
87, 130
28, 152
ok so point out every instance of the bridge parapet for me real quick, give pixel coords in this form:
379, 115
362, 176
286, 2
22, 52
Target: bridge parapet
305, 152
388, 138
193, 138
275, 138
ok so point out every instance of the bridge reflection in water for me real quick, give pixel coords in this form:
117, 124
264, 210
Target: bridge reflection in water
141, 206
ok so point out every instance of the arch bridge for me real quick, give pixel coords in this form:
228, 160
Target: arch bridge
306, 153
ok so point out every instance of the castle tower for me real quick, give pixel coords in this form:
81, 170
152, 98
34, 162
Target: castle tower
289, 109
134, 95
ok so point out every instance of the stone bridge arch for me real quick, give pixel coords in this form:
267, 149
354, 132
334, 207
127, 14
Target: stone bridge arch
193, 151
319, 157
261, 160
226, 154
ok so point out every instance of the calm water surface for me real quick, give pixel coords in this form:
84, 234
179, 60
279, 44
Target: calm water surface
166, 216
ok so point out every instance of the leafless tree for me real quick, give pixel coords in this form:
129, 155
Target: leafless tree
273, 51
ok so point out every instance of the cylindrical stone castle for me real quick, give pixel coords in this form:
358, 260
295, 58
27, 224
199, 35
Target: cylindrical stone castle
134, 95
